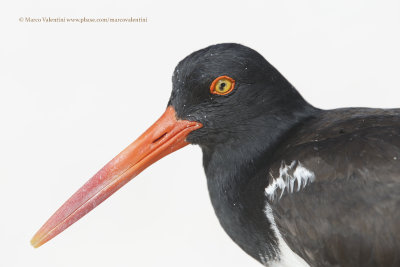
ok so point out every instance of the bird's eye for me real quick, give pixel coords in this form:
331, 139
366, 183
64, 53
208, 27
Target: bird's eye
222, 85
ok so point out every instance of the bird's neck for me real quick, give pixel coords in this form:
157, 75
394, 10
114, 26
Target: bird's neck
233, 162
231, 166
235, 186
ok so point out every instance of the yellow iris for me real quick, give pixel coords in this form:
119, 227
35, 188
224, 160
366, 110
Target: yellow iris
222, 85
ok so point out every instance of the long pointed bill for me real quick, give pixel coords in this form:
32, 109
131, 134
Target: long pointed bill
162, 138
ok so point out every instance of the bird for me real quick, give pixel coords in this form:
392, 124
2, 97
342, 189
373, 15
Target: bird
291, 184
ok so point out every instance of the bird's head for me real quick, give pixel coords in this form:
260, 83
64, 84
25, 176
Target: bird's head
227, 88
219, 93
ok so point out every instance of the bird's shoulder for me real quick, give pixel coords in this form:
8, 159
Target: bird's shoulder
344, 143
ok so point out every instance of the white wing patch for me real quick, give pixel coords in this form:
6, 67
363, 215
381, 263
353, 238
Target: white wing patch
288, 176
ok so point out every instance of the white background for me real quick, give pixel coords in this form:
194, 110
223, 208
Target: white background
73, 95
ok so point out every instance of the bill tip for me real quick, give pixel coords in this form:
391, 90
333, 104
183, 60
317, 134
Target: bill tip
35, 242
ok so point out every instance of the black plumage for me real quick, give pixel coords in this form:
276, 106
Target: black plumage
349, 216
338, 201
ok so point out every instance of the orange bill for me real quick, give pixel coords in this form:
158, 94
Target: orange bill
165, 136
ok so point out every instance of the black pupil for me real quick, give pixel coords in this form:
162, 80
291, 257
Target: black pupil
222, 85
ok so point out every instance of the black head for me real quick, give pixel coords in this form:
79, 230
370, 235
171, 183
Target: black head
259, 91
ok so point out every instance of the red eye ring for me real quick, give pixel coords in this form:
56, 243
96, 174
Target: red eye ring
213, 89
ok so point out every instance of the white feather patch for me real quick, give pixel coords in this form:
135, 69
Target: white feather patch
289, 175
286, 258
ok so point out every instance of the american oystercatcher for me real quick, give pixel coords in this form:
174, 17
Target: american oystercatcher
291, 184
